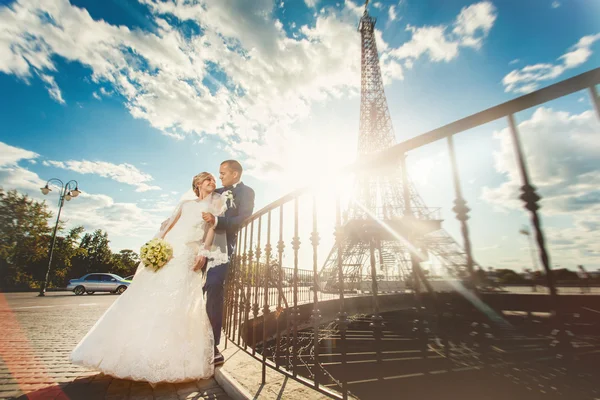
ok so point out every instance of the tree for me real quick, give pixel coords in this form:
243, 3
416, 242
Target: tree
25, 236
564, 274
508, 276
66, 251
96, 254
24, 239
124, 263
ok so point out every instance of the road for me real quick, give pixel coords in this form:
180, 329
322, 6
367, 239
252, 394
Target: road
37, 335
561, 290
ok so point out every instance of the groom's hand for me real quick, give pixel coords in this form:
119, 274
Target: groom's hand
208, 218
199, 263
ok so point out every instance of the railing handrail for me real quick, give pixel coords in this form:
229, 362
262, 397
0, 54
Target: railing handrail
552, 92
541, 96
265, 299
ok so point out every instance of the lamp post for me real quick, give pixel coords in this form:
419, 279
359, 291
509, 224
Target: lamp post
525, 232
68, 191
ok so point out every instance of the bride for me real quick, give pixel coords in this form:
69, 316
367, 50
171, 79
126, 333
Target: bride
158, 330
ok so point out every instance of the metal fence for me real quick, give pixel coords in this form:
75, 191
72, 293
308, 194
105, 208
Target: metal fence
275, 286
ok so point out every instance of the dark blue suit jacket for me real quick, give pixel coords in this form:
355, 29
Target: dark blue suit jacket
243, 198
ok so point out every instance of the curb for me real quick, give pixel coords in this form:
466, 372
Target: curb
231, 386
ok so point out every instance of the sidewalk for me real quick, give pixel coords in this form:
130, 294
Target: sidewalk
241, 376
36, 339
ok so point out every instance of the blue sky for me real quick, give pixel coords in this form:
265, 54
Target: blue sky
133, 98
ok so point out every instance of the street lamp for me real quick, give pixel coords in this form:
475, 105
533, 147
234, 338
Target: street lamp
525, 232
67, 192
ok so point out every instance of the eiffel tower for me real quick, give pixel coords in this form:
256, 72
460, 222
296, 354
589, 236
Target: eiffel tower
388, 197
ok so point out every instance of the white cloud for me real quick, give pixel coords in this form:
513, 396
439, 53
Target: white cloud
124, 173
10, 155
102, 93
555, 4
53, 88
311, 3
15, 177
392, 13
357, 8
529, 77
99, 211
438, 43
474, 23
242, 79
515, 61
93, 211
562, 153
431, 41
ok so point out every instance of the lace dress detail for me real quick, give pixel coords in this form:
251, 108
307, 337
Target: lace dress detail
158, 330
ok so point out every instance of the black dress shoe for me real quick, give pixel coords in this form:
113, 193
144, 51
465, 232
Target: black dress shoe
219, 359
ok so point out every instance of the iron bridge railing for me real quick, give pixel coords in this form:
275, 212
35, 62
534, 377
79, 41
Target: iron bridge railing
275, 306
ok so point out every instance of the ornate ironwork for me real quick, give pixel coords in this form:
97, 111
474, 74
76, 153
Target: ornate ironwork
595, 99
308, 321
280, 296
294, 313
462, 212
531, 199
266, 307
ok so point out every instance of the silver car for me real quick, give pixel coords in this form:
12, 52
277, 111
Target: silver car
98, 282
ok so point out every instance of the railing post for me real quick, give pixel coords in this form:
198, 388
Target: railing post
252, 273
255, 306
295, 314
316, 313
376, 320
235, 291
266, 309
229, 298
381, 258
462, 212
280, 248
595, 99
531, 199
419, 324
245, 281
342, 318
562, 342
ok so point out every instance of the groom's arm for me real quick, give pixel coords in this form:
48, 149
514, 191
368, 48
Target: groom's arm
245, 211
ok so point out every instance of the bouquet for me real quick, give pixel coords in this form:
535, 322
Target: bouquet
156, 253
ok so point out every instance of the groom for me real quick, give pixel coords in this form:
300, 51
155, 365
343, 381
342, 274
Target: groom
239, 208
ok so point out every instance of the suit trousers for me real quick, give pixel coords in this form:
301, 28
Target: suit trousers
214, 289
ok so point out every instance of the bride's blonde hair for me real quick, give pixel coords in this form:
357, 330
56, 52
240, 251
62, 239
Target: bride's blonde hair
197, 181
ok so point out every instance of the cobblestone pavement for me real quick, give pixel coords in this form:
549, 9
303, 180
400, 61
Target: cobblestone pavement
37, 335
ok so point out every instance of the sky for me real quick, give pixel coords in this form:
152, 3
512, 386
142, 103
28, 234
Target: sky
132, 98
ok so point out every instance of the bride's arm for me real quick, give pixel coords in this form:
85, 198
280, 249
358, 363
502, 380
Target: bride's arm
162, 235
208, 241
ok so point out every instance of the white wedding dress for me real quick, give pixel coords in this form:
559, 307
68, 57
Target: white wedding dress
158, 330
